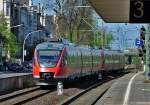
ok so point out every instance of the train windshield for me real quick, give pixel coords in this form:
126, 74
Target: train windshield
48, 58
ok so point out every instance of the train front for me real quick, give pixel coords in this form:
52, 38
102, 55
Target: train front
47, 63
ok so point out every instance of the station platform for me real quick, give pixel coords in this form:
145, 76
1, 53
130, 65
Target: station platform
12, 80
12, 74
132, 89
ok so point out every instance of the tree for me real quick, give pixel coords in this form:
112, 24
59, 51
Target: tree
7, 39
104, 41
72, 21
69, 19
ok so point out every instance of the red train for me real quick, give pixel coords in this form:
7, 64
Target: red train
55, 62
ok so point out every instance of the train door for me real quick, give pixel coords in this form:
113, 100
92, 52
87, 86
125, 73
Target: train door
110, 60
74, 61
106, 61
90, 56
78, 62
64, 64
96, 60
116, 59
113, 61
102, 60
69, 60
86, 61
123, 61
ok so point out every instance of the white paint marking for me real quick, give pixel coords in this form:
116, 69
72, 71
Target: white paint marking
146, 90
127, 94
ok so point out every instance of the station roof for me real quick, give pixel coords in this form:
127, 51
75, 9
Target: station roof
112, 10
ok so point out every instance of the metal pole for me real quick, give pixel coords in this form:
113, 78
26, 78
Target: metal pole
103, 34
92, 27
147, 45
25, 40
3, 7
88, 6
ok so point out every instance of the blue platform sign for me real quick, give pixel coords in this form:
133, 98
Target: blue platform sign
139, 42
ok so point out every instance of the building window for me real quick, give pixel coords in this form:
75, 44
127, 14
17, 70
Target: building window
7, 9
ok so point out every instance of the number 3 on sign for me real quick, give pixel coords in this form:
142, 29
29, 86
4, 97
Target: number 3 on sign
139, 9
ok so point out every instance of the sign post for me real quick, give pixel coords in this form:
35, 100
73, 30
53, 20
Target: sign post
139, 42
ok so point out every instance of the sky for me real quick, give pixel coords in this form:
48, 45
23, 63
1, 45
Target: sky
124, 34
47, 4
127, 35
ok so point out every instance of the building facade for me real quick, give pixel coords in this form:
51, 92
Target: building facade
28, 17
49, 24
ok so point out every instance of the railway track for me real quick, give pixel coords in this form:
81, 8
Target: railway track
17, 93
92, 94
89, 96
76, 93
23, 96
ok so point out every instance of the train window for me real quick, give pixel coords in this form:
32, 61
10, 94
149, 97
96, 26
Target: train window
48, 58
64, 62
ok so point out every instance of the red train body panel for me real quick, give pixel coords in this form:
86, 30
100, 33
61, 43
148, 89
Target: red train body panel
55, 62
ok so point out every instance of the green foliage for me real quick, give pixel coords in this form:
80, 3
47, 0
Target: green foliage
7, 39
136, 60
104, 41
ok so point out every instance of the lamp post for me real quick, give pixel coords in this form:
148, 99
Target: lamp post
16, 26
25, 40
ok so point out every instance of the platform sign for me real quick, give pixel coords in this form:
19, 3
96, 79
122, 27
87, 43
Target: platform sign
140, 11
139, 42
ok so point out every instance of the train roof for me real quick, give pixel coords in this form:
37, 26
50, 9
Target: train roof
115, 52
50, 45
60, 46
